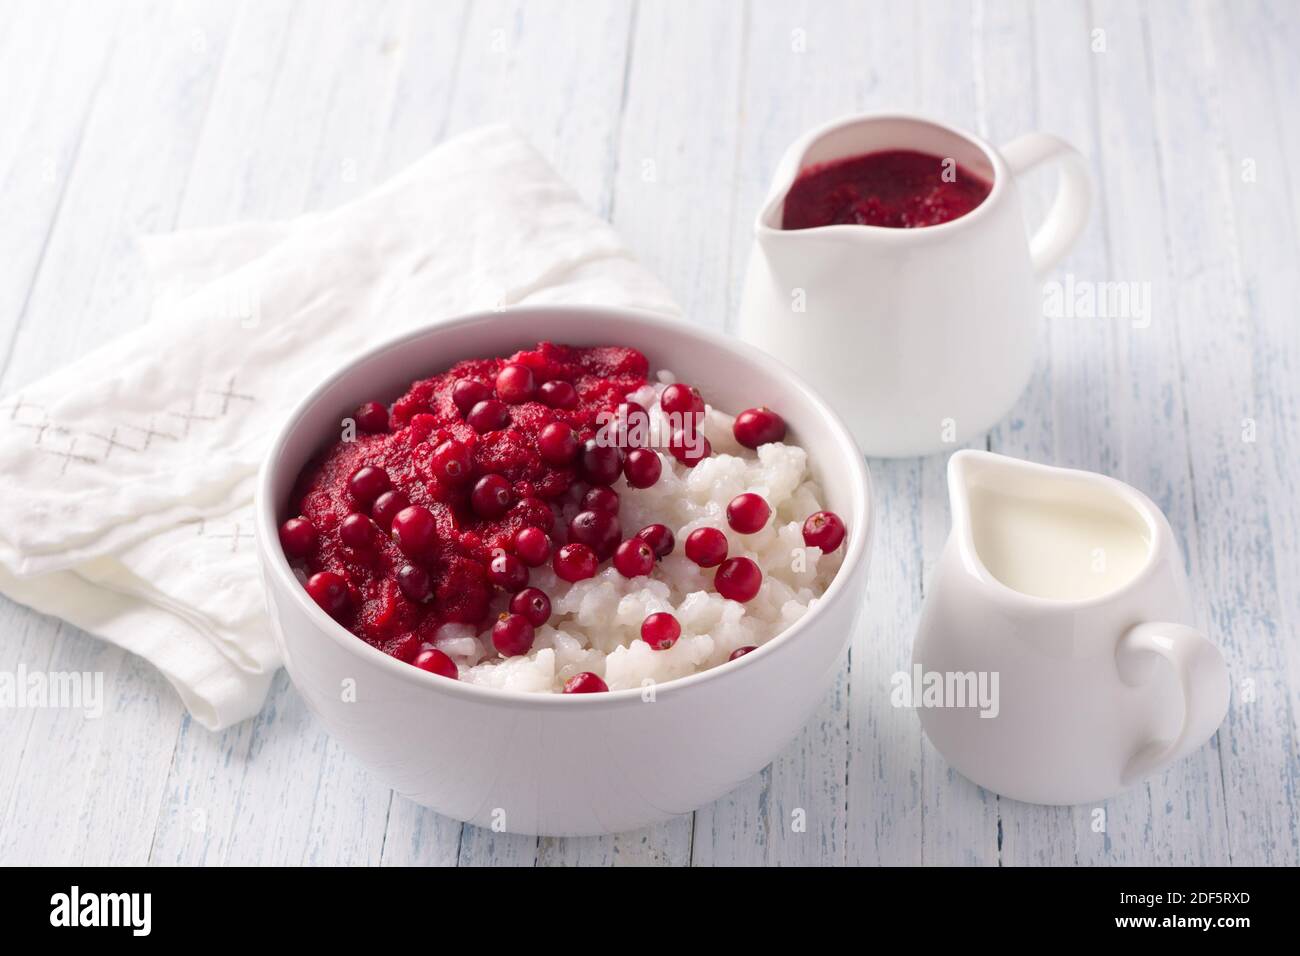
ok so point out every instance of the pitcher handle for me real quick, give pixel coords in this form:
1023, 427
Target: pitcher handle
1202, 674
1069, 212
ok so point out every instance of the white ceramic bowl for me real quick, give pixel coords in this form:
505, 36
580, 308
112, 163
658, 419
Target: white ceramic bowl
558, 764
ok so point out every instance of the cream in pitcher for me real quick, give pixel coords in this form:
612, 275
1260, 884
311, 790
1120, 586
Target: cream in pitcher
1070, 587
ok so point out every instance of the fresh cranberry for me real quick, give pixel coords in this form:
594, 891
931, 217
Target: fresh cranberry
368, 483
491, 497
601, 464
660, 539
598, 530
414, 529
533, 546
557, 443
682, 401
371, 417
740, 652
467, 393
758, 426
436, 662
507, 572
516, 384
707, 547
642, 467
488, 415
533, 604
512, 635
575, 562
601, 498
689, 452
633, 423
452, 461
748, 513
634, 557
415, 583
357, 531
660, 631
824, 530
386, 507
738, 579
297, 537
558, 393
329, 590
585, 683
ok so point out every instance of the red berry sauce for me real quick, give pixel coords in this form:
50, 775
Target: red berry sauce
399, 611
898, 189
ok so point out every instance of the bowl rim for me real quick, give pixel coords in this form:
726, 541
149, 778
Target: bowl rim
278, 571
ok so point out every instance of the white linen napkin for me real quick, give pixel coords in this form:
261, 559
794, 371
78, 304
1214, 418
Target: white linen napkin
130, 472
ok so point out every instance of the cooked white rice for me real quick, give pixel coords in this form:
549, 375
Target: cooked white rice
596, 624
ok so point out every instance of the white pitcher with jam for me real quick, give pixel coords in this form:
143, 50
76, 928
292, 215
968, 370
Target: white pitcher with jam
1062, 591
909, 298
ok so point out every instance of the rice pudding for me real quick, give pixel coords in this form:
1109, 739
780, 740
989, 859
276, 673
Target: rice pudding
561, 520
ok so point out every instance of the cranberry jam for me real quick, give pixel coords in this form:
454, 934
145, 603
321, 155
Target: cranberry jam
399, 522
897, 189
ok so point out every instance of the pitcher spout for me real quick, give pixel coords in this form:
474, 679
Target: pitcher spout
1046, 533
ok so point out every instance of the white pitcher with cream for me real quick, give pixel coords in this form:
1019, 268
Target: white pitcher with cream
1069, 587
919, 337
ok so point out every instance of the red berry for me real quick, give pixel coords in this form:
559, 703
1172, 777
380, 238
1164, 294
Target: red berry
585, 683
415, 583
297, 537
601, 464
707, 547
758, 426
690, 451
371, 417
557, 443
575, 562
633, 423
491, 497
368, 483
740, 652
357, 531
682, 401
738, 579
414, 530
824, 530
748, 513
507, 572
488, 415
516, 384
558, 393
512, 635
598, 530
452, 461
660, 539
533, 546
329, 590
467, 393
660, 631
386, 506
634, 557
601, 498
436, 662
642, 467
533, 604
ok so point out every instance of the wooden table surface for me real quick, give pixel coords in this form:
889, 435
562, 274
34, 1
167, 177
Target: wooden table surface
122, 118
